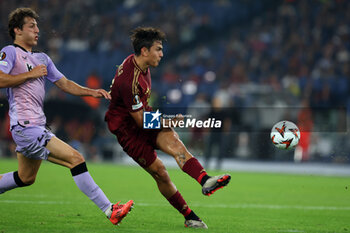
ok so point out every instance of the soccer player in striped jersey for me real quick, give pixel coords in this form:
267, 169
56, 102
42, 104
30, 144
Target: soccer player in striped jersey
130, 91
24, 72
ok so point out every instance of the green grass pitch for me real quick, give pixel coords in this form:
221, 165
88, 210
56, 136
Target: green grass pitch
252, 202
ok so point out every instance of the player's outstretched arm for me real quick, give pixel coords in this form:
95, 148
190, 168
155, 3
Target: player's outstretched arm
7, 80
75, 89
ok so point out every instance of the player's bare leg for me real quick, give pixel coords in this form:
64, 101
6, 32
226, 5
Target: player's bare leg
25, 176
27, 168
169, 191
169, 142
158, 171
63, 154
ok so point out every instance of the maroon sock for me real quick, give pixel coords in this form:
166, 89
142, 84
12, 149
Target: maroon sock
179, 203
194, 169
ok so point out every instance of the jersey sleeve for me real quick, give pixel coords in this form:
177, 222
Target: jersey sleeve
7, 59
53, 74
130, 95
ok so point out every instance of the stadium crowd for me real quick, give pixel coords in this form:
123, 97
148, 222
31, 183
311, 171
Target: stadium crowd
257, 62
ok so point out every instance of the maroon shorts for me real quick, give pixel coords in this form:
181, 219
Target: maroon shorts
138, 143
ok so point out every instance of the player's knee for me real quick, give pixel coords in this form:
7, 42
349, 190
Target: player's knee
178, 146
173, 140
76, 158
162, 175
27, 180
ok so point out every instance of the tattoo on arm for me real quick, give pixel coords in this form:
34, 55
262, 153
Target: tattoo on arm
181, 159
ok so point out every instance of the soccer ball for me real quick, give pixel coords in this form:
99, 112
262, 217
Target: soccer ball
285, 135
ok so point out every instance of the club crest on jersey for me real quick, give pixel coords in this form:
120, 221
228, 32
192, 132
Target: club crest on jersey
2, 55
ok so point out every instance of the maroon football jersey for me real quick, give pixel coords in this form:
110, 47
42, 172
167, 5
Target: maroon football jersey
130, 91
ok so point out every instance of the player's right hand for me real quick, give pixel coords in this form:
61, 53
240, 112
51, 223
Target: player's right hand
38, 71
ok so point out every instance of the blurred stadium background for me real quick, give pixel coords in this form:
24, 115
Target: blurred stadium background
254, 62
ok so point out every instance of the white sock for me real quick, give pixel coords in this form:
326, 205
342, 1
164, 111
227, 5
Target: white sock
108, 211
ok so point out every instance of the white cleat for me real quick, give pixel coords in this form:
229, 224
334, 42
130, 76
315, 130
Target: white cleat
196, 224
214, 183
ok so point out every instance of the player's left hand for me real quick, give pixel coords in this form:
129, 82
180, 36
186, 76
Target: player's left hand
100, 93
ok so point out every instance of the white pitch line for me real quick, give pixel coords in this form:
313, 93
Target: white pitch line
231, 206
290, 231
259, 206
40, 202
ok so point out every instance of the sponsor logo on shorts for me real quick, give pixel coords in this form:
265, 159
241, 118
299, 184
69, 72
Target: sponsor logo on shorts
142, 161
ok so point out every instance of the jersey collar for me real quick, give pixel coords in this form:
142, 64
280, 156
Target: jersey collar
16, 45
133, 60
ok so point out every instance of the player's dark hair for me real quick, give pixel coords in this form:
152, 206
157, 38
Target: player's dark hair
16, 19
145, 37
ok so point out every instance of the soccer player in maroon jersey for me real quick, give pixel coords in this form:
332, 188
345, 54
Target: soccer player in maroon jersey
130, 91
